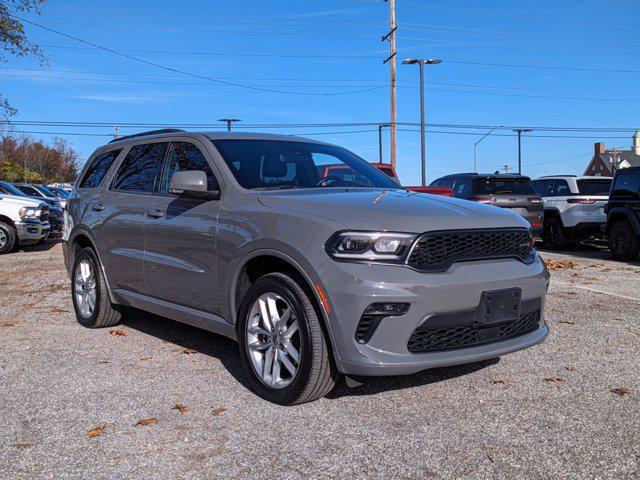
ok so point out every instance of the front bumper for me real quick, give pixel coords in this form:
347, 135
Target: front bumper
31, 232
351, 287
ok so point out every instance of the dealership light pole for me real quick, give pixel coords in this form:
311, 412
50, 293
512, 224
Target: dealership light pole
520, 130
475, 163
422, 62
229, 122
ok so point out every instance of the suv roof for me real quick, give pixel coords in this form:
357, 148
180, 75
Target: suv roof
577, 177
487, 175
174, 132
629, 169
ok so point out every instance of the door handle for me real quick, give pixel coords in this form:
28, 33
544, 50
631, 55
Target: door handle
156, 214
98, 207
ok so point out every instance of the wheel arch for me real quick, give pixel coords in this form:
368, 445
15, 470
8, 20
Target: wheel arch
263, 261
7, 220
617, 214
553, 213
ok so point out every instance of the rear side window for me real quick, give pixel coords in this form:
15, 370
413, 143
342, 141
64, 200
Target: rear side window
498, 186
594, 187
186, 156
141, 168
540, 186
98, 169
559, 188
626, 184
463, 186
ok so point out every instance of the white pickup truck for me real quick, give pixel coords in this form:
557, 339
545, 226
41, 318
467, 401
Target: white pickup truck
23, 221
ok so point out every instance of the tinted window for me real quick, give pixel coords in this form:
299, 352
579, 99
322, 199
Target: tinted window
558, 188
540, 186
98, 169
498, 186
285, 164
594, 187
443, 182
32, 192
626, 184
140, 170
45, 191
9, 189
462, 187
186, 156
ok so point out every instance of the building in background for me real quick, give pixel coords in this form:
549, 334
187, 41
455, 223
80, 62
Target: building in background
606, 162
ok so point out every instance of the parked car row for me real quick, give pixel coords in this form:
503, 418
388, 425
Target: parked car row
29, 214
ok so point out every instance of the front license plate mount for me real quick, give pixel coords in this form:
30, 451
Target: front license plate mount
500, 306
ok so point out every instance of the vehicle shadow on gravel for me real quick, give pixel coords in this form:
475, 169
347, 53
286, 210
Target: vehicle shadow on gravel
226, 350
43, 247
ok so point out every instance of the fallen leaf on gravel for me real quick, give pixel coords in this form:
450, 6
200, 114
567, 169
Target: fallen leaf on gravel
58, 310
567, 322
570, 369
553, 379
179, 406
147, 357
23, 445
95, 432
503, 381
622, 391
559, 265
147, 421
118, 331
103, 361
217, 411
188, 351
8, 324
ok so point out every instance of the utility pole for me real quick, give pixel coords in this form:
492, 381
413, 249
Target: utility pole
391, 36
115, 132
229, 121
506, 168
520, 130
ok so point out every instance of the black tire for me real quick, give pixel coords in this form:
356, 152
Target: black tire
624, 244
316, 375
8, 236
104, 314
553, 234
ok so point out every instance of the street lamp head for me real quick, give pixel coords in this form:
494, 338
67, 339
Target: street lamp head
410, 61
433, 61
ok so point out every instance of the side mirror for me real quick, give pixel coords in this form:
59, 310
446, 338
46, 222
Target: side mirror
192, 183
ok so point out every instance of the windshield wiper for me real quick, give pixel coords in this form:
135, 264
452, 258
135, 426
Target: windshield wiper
279, 187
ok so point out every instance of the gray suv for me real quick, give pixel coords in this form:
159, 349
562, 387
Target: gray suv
315, 277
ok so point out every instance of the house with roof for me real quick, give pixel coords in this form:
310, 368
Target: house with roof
606, 162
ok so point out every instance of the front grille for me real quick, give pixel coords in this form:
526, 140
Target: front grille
425, 340
439, 250
44, 214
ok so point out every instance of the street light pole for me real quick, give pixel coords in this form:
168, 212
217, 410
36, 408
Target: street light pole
520, 130
475, 163
422, 62
229, 121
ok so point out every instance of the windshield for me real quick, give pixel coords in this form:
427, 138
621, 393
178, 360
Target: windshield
594, 187
285, 164
497, 186
45, 191
9, 189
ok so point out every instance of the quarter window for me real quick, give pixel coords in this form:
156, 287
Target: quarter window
98, 169
141, 168
186, 156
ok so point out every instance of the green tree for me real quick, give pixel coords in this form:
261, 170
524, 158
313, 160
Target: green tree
13, 40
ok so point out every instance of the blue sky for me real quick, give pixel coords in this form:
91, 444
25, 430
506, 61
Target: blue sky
237, 41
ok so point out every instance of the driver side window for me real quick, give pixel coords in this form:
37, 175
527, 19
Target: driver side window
186, 156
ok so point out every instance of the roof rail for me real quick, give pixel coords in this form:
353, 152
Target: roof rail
551, 176
150, 132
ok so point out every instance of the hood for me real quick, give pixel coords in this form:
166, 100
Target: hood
19, 201
391, 210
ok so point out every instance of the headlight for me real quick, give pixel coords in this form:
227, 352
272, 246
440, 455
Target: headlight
29, 213
370, 246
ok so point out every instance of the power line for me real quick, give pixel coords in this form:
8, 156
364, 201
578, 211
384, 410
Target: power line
544, 67
175, 70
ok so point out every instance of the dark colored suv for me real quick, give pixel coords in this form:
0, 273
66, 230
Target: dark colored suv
623, 214
513, 192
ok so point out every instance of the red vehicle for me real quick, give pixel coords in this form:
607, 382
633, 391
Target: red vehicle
388, 170
343, 171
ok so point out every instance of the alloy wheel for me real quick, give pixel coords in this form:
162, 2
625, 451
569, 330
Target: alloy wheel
3, 239
273, 340
85, 288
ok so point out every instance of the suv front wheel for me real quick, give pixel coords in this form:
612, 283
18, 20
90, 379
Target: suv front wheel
553, 234
282, 345
624, 244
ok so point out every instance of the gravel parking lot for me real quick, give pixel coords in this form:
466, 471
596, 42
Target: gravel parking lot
154, 398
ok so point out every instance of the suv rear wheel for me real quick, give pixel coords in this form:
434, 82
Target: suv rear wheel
282, 346
7, 238
553, 234
623, 242
89, 292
